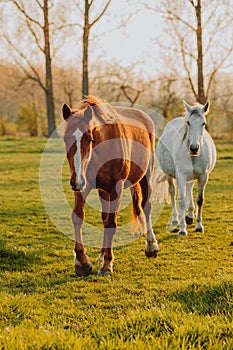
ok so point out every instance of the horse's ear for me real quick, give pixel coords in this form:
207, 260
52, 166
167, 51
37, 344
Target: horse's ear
187, 106
66, 111
205, 108
88, 114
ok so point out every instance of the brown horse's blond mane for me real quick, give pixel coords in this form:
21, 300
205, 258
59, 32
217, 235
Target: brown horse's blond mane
103, 110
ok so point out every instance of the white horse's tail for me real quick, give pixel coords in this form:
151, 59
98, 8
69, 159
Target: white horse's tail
160, 187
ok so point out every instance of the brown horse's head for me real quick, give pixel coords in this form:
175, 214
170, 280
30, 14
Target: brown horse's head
78, 139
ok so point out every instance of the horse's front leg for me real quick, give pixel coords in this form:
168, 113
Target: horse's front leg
200, 198
189, 216
110, 204
172, 227
105, 202
82, 264
181, 182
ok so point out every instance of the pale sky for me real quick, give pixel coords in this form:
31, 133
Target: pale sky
134, 41
133, 44
125, 45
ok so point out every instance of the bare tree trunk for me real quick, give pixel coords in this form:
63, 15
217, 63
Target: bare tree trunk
86, 31
48, 73
35, 128
31, 72
201, 98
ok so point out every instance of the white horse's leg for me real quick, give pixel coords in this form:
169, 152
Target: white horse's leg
172, 191
201, 188
189, 216
181, 182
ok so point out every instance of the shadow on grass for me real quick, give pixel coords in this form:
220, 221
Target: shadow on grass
213, 300
168, 237
15, 260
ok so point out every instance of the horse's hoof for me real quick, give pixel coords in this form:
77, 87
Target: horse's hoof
83, 270
151, 254
188, 220
199, 229
104, 273
182, 233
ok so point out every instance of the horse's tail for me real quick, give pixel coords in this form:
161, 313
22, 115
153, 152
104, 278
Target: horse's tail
160, 188
139, 220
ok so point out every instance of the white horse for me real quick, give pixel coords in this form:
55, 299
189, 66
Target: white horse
186, 152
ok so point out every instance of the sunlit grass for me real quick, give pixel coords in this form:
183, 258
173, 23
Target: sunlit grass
183, 299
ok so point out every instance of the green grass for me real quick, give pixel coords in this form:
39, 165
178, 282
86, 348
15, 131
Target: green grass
183, 299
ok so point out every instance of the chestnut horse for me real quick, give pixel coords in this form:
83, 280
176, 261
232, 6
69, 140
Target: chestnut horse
109, 148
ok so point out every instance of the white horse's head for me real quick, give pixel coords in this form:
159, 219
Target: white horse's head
195, 124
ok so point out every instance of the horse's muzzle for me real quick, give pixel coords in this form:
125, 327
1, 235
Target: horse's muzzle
76, 187
194, 150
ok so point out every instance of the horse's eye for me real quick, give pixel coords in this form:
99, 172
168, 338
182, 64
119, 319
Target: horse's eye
188, 123
203, 124
89, 141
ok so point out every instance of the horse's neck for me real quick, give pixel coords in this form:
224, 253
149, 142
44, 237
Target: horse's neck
182, 133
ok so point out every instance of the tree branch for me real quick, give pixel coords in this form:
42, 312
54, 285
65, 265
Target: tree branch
187, 70
22, 10
21, 54
101, 14
217, 67
79, 7
39, 4
175, 17
192, 3
34, 36
69, 26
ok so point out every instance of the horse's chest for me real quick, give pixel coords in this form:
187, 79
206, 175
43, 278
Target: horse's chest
196, 168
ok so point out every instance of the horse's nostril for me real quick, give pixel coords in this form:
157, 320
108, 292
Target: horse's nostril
72, 185
194, 149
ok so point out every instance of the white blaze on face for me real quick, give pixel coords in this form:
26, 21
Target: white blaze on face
77, 157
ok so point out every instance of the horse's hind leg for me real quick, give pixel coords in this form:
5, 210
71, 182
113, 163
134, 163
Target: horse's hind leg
110, 204
201, 188
189, 216
138, 213
172, 227
151, 242
82, 264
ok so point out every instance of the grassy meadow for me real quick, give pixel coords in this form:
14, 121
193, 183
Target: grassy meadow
183, 299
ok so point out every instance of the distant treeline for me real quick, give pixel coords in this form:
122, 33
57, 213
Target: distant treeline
23, 105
